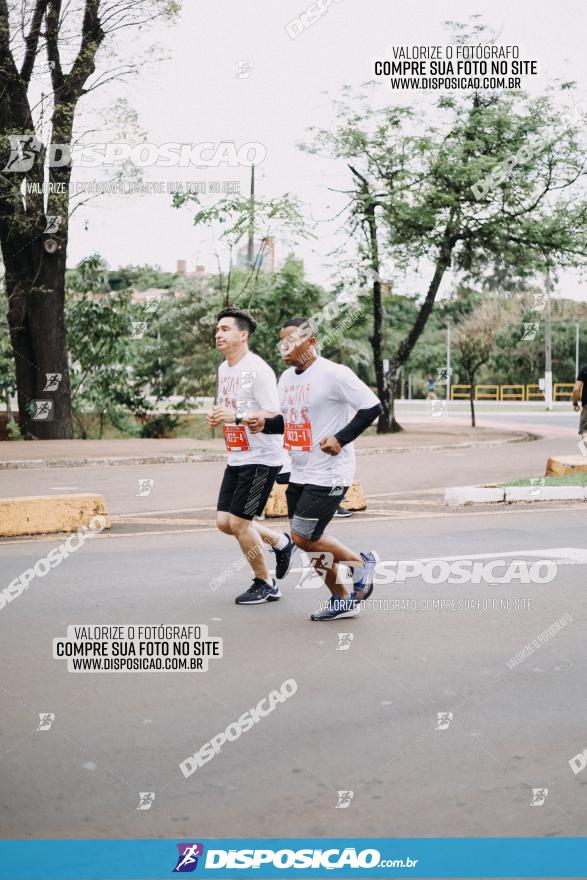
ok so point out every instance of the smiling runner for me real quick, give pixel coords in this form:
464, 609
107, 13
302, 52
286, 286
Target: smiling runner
315, 397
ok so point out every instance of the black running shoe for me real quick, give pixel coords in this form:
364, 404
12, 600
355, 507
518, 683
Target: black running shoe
258, 592
283, 558
342, 513
337, 608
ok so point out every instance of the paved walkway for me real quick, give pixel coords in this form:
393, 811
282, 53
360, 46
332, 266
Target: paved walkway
72, 453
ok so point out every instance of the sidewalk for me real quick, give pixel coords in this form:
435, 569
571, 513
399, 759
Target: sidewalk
418, 436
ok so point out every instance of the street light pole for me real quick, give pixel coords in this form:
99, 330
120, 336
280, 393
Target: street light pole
548, 346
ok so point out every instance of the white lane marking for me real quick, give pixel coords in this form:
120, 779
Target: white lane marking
171, 510
563, 555
401, 514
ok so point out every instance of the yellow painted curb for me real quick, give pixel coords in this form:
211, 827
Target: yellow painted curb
277, 505
45, 514
563, 465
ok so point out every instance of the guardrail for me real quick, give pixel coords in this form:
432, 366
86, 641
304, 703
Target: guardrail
486, 392
561, 391
512, 392
457, 394
559, 394
535, 393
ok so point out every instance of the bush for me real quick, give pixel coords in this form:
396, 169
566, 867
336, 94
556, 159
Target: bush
160, 426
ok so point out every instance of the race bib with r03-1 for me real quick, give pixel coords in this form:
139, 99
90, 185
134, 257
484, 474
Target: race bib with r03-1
297, 437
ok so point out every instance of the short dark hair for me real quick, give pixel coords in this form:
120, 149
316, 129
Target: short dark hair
243, 319
299, 322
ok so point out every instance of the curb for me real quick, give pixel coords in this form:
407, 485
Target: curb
191, 457
113, 461
49, 514
458, 496
524, 437
565, 465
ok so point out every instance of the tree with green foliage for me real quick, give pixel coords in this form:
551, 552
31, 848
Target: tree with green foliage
237, 219
476, 335
416, 197
65, 43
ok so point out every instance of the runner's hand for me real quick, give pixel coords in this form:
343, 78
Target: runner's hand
219, 415
255, 423
576, 407
330, 445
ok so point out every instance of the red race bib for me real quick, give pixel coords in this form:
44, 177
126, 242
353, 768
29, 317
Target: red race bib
235, 437
297, 437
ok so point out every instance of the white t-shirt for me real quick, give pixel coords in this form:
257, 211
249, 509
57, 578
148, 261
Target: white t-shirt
247, 387
315, 404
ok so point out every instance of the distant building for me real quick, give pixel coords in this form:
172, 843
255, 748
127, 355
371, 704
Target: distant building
182, 269
263, 255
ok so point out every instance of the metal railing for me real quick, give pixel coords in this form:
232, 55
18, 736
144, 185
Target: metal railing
560, 391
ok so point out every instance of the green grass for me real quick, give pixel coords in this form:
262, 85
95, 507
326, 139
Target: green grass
192, 426
570, 480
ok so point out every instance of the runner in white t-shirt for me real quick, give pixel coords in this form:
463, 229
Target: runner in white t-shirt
246, 383
316, 397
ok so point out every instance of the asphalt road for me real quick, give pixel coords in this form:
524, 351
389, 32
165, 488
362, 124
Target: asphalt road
363, 719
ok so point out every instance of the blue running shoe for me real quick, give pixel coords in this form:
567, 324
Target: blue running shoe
364, 586
337, 608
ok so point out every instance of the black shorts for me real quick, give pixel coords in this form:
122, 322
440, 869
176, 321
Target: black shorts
310, 508
245, 489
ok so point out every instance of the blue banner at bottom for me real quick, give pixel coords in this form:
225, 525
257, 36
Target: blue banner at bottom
294, 857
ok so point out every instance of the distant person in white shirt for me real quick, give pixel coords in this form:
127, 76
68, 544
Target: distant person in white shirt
246, 383
315, 397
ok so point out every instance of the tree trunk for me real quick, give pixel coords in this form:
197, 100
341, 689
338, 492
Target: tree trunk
9, 414
394, 425
384, 386
472, 397
35, 290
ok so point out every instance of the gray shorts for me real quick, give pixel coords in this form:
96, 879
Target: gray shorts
583, 420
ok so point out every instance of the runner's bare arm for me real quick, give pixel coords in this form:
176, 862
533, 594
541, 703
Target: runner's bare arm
264, 422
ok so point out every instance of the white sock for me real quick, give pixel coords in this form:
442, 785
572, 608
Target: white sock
281, 543
269, 582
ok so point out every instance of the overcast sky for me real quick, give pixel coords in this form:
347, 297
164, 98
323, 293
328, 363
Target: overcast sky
196, 96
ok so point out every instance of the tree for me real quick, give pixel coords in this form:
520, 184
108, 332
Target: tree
178, 352
7, 377
239, 218
34, 225
416, 198
179, 357
475, 338
274, 299
104, 351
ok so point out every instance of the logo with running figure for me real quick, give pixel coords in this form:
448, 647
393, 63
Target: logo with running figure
187, 860
313, 570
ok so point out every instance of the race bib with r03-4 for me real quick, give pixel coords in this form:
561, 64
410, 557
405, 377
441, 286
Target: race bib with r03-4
235, 437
